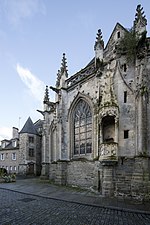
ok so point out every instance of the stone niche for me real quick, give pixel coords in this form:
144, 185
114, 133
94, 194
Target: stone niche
108, 129
108, 146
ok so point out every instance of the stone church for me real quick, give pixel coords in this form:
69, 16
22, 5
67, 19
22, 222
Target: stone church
96, 135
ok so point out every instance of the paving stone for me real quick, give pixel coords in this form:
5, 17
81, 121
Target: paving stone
24, 209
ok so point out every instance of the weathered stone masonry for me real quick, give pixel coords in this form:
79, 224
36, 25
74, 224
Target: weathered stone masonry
96, 133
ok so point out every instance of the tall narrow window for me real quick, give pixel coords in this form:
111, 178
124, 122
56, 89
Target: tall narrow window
2, 156
126, 134
125, 67
125, 96
82, 129
31, 152
13, 156
31, 139
118, 34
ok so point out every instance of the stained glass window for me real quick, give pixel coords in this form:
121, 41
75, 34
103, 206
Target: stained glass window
82, 128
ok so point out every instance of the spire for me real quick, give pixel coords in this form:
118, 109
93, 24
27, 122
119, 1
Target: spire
46, 97
58, 79
99, 48
99, 40
140, 21
64, 66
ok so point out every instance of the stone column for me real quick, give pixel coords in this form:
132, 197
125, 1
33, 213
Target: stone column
140, 185
45, 156
116, 130
45, 171
108, 178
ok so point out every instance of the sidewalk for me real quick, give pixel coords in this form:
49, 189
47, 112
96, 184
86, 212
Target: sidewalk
37, 187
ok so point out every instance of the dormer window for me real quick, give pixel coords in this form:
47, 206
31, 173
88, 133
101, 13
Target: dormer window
14, 143
118, 34
3, 145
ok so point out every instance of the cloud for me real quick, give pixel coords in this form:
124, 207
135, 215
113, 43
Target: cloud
17, 10
5, 133
35, 86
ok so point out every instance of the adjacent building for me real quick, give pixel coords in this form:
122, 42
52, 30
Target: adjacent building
30, 148
9, 153
22, 154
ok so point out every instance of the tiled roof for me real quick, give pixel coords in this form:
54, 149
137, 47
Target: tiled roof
29, 127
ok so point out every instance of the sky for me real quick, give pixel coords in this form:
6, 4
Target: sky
34, 34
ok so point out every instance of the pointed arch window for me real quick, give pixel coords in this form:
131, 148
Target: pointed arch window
82, 126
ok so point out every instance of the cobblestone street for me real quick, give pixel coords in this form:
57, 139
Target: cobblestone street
24, 209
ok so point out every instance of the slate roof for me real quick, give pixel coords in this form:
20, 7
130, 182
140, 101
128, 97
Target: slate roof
10, 146
38, 124
29, 127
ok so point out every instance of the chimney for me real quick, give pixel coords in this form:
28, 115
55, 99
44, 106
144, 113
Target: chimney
15, 133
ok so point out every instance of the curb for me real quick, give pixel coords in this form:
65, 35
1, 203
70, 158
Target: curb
81, 203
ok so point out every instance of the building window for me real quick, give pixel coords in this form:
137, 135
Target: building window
2, 156
126, 134
3, 145
7, 168
10, 168
118, 34
125, 67
82, 128
31, 139
13, 156
15, 168
125, 96
31, 152
14, 143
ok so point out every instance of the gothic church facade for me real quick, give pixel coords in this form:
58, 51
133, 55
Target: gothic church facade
97, 132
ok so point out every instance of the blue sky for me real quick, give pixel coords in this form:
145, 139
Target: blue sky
34, 34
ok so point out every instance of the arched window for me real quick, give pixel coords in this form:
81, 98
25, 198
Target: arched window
82, 126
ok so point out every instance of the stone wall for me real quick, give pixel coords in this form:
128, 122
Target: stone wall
129, 178
83, 174
132, 178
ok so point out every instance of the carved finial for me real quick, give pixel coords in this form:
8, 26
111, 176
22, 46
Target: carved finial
46, 96
140, 17
64, 65
99, 39
58, 79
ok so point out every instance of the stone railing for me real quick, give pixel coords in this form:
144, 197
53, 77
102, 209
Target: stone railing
80, 75
109, 151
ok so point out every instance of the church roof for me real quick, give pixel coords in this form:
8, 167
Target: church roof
29, 127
